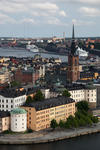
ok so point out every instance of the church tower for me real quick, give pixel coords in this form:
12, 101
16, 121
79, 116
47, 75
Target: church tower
73, 73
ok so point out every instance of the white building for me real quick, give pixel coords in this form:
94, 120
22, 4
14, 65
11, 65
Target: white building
46, 93
42, 71
18, 120
79, 93
88, 94
10, 99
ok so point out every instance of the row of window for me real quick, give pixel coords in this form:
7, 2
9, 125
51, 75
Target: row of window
6, 106
7, 101
2, 101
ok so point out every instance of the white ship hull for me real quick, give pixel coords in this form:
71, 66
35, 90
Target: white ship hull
32, 48
82, 53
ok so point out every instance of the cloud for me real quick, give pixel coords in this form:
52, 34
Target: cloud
96, 2
62, 13
82, 22
31, 9
88, 11
6, 19
90, 2
56, 21
28, 20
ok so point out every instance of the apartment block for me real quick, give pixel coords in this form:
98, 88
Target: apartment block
80, 93
40, 114
26, 76
4, 121
10, 99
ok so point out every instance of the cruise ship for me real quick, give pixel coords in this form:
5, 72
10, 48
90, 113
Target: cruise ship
82, 53
32, 48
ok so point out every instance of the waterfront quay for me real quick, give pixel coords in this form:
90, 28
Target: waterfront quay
47, 136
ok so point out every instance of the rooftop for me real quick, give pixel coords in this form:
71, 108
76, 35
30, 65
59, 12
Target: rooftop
18, 111
12, 93
80, 87
4, 114
52, 102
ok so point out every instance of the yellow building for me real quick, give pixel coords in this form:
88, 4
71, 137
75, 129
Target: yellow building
89, 75
40, 114
4, 121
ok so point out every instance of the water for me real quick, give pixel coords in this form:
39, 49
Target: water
24, 53
88, 142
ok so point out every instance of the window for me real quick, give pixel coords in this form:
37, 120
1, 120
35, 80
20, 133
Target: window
2, 106
6, 106
11, 101
2, 101
75, 62
11, 106
6, 101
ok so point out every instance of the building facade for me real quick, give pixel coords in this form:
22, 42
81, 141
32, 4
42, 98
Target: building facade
85, 93
18, 120
40, 114
73, 73
10, 99
26, 76
4, 121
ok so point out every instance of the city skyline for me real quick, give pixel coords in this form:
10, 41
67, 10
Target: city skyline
47, 18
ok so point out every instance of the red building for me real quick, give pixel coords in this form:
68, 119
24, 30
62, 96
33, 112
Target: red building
26, 76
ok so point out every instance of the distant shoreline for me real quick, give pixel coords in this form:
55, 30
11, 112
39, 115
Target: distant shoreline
44, 52
47, 136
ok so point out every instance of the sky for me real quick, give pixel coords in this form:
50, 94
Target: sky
47, 18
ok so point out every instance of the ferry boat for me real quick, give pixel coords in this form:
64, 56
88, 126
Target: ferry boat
82, 53
32, 48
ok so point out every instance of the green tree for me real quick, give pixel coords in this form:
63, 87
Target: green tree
53, 124
61, 124
70, 122
66, 93
15, 84
82, 122
89, 121
94, 119
82, 106
29, 100
38, 96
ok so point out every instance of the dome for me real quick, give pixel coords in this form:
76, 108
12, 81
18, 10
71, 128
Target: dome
18, 111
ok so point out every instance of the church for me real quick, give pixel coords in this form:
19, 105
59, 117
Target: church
73, 73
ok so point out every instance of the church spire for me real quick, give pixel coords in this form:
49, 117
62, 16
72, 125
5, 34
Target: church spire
73, 33
73, 46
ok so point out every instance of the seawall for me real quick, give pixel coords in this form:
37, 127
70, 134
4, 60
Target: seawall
47, 136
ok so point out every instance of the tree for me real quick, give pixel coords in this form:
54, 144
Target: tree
38, 96
82, 106
61, 124
71, 122
89, 121
82, 122
15, 84
94, 119
53, 124
66, 93
29, 100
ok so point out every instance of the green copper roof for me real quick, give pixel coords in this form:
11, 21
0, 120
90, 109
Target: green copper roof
18, 111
